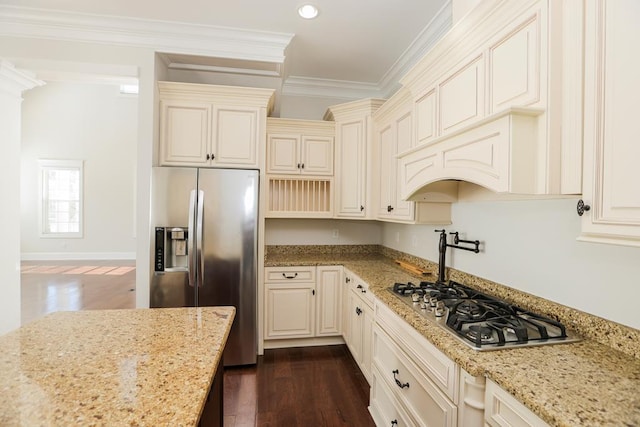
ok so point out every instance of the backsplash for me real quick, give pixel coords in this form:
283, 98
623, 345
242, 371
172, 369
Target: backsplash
611, 334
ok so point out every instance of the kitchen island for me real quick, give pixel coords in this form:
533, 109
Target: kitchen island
112, 367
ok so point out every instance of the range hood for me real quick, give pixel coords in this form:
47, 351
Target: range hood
501, 152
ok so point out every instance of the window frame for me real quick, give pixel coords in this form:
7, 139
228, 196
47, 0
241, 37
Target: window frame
45, 165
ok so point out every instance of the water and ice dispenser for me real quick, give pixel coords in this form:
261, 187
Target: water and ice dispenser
171, 249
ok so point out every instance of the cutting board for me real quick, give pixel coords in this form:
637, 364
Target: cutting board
412, 268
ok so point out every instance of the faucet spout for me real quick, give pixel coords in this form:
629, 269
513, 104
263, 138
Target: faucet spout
442, 250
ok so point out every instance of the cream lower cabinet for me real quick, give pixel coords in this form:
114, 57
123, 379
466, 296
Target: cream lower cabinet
503, 410
359, 322
302, 302
611, 125
414, 383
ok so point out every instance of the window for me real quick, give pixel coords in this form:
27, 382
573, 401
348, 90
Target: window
61, 198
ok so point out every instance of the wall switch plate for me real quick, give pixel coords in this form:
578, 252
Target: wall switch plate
397, 237
414, 241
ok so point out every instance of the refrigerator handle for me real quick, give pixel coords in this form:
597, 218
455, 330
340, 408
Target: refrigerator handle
190, 252
199, 231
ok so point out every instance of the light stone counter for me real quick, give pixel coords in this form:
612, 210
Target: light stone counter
578, 384
144, 367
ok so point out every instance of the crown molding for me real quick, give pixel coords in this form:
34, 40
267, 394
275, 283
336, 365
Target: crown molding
161, 36
309, 86
432, 32
14, 81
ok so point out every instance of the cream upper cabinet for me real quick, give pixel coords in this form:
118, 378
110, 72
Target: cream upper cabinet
212, 126
611, 125
354, 166
495, 102
299, 147
394, 133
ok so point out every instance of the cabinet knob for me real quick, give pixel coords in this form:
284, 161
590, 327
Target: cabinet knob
358, 311
582, 207
302, 166
347, 279
208, 157
389, 208
361, 208
394, 422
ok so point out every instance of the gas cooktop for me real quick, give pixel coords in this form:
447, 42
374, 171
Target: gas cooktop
480, 321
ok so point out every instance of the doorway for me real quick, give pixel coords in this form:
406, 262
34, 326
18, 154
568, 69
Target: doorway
92, 122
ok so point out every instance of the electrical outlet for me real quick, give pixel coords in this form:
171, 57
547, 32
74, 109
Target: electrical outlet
414, 241
336, 233
397, 237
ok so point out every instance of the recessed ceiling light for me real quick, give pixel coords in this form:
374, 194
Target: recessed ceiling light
308, 11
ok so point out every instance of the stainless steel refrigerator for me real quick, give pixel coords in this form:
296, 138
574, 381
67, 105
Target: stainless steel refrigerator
205, 248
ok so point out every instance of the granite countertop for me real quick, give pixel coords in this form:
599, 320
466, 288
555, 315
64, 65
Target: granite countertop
577, 384
112, 367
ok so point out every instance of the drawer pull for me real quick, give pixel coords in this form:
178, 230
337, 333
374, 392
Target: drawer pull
394, 422
290, 277
358, 311
400, 384
359, 287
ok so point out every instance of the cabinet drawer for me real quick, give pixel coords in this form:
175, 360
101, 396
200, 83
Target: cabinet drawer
290, 274
504, 410
435, 364
385, 408
423, 399
361, 288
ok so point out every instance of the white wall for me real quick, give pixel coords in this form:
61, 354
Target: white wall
308, 108
321, 232
531, 246
96, 124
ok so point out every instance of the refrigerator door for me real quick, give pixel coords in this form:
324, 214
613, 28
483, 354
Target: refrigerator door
171, 192
230, 232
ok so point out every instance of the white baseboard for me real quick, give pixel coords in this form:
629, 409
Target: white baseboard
76, 256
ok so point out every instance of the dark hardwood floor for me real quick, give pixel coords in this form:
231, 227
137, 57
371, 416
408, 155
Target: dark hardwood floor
310, 386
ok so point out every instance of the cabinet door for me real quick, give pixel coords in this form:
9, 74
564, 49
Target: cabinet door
283, 154
387, 171
185, 133
367, 342
290, 310
611, 172
329, 301
403, 141
355, 327
351, 170
317, 155
235, 140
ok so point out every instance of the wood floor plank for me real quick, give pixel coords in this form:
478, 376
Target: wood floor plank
311, 386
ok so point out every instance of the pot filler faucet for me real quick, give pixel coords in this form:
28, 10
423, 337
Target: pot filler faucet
442, 250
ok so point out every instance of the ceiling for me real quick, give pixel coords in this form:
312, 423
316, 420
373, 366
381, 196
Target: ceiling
365, 44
